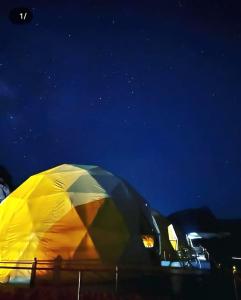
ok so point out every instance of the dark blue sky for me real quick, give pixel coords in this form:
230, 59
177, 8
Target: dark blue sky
150, 91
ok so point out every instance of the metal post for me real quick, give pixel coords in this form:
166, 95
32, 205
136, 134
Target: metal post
33, 272
234, 283
116, 278
57, 262
79, 284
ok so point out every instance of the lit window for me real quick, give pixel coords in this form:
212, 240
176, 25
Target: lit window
173, 237
148, 241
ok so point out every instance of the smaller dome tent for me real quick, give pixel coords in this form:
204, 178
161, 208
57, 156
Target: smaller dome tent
166, 251
78, 213
171, 238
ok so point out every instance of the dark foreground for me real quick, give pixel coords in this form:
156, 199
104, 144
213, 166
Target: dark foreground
166, 286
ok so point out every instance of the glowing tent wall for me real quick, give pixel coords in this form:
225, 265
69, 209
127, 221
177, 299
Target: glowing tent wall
173, 237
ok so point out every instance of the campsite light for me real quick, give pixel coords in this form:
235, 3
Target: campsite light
148, 241
193, 236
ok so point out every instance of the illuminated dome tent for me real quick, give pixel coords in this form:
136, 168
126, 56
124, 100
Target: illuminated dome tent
79, 213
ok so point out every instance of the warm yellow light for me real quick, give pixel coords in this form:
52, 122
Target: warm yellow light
234, 269
172, 237
148, 241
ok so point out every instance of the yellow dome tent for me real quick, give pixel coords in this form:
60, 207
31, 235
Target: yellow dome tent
77, 212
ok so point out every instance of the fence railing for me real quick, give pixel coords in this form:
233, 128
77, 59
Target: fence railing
80, 268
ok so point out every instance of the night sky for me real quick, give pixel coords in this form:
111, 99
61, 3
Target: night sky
149, 90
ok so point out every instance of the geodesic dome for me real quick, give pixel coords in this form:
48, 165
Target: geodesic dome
76, 212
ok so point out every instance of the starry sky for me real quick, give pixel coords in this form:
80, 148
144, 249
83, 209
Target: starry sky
149, 90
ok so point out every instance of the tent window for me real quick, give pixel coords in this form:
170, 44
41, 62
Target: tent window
148, 241
173, 237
